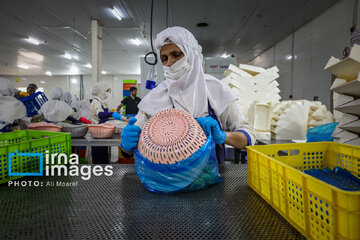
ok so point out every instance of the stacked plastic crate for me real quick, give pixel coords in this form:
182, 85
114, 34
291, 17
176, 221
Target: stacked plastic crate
346, 88
257, 90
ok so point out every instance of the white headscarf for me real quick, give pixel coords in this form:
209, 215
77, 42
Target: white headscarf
100, 90
55, 110
10, 108
84, 106
67, 97
194, 90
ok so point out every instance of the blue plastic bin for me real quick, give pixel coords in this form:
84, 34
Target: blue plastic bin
33, 103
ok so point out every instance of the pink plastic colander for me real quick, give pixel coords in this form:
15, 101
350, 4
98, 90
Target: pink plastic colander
43, 126
170, 136
104, 130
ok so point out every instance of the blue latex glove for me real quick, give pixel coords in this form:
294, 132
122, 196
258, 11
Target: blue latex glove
130, 135
117, 116
210, 125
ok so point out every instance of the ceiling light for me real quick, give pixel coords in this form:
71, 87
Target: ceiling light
74, 69
42, 82
33, 40
48, 73
74, 80
68, 56
23, 66
136, 41
116, 14
88, 65
75, 57
225, 55
103, 72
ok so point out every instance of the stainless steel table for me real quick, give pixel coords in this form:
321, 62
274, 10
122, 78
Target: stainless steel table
267, 142
240, 154
89, 141
119, 207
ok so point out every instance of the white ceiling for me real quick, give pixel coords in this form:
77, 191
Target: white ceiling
243, 28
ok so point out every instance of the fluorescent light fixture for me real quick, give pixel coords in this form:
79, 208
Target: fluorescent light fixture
74, 81
75, 57
33, 40
23, 66
225, 55
103, 72
68, 56
289, 57
88, 65
74, 69
136, 41
48, 73
116, 13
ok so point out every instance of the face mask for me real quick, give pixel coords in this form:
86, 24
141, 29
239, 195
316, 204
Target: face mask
178, 69
107, 95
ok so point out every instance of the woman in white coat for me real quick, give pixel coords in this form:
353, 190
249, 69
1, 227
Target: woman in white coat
11, 109
187, 87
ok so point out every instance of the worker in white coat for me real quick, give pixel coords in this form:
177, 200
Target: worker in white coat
75, 105
100, 113
55, 110
11, 109
187, 87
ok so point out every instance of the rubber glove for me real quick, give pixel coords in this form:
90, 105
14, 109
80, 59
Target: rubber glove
117, 116
84, 120
210, 125
130, 135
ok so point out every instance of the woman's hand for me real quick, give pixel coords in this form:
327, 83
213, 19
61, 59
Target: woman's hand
210, 125
130, 136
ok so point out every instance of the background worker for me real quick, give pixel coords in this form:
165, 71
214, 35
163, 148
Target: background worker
131, 103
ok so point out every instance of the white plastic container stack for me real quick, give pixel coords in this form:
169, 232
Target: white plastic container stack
252, 83
346, 88
256, 87
292, 119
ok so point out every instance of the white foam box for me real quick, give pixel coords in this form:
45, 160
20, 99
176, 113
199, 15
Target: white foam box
347, 68
241, 82
253, 70
342, 99
346, 136
233, 68
355, 142
351, 88
352, 107
352, 127
347, 118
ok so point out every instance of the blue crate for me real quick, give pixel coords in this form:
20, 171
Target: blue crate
33, 103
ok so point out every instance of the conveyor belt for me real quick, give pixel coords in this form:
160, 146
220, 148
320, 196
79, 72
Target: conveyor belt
119, 207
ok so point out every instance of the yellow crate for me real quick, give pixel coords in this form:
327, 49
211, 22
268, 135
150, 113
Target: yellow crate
317, 209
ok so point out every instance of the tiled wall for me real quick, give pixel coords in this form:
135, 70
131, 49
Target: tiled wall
314, 43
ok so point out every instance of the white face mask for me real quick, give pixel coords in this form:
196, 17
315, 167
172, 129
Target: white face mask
106, 95
178, 69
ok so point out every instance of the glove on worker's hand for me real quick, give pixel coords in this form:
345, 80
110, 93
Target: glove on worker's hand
210, 125
130, 135
117, 116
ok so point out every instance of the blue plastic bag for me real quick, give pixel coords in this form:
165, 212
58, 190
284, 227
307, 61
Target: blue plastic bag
321, 133
197, 172
340, 178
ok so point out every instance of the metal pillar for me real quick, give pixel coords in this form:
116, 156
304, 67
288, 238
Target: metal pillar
96, 50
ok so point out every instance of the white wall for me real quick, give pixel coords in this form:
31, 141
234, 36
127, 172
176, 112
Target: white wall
314, 43
47, 82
